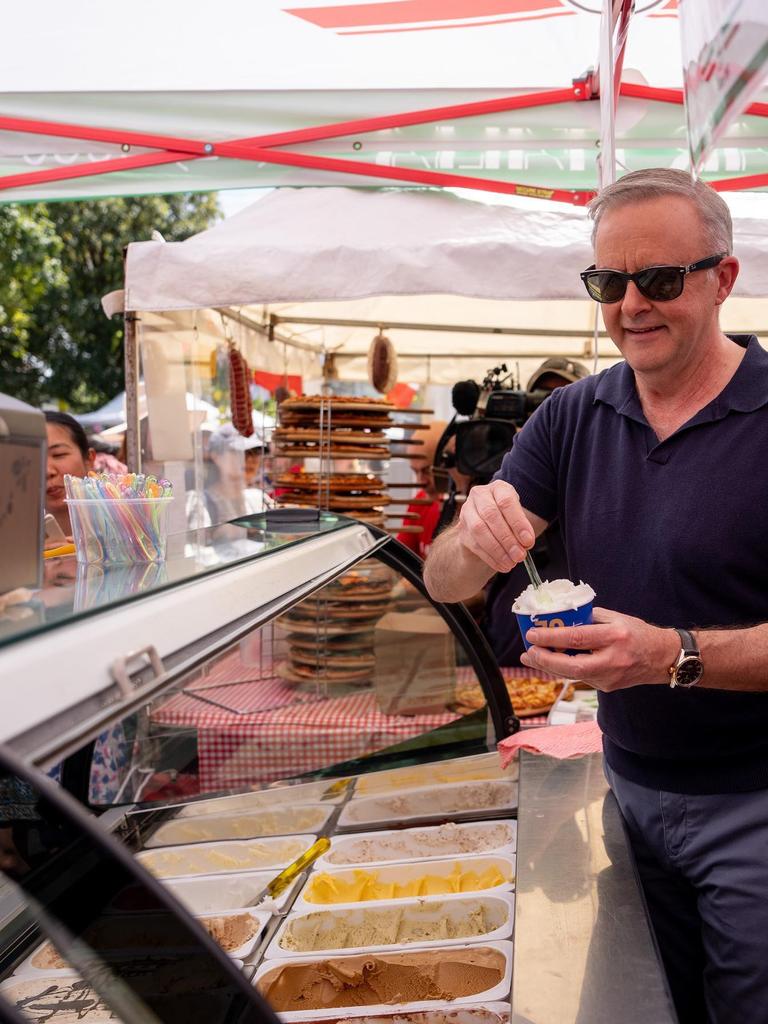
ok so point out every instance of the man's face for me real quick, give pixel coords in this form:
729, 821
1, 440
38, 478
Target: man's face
659, 336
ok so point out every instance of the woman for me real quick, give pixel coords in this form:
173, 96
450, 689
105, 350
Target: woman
68, 452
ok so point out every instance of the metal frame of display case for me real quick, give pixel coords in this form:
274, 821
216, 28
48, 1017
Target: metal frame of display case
86, 872
584, 952
113, 662
584, 949
400, 558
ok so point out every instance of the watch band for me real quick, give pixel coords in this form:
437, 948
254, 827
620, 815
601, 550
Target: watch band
688, 643
689, 656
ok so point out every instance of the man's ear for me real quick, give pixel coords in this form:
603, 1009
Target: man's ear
727, 272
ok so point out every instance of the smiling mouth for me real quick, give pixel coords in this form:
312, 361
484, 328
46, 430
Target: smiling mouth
642, 330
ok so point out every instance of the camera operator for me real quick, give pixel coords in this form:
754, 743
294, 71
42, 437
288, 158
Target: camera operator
549, 551
428, 515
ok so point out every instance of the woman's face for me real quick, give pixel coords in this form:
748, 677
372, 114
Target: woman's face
63, 457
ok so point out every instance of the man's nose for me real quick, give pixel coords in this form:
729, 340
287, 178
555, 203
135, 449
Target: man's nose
634, 302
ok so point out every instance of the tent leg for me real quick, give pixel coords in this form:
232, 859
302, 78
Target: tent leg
131, 357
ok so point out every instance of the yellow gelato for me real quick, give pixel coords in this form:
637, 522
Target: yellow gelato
368, 885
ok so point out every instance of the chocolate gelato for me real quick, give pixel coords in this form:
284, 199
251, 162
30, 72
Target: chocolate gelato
369, 980
140, 934
232, 931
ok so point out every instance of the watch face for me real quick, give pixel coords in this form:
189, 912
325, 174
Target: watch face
689, 672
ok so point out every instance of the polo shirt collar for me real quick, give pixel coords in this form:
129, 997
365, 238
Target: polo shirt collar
746, 391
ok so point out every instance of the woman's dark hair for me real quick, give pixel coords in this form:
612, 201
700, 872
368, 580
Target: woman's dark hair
63, 419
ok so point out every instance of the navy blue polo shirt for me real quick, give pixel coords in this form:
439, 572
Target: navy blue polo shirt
675, 532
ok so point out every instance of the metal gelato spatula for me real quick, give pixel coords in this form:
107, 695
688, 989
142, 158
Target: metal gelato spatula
281, 882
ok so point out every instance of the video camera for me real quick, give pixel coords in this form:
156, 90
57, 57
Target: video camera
492, 414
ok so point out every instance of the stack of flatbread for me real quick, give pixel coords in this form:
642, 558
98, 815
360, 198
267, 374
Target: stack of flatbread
361, 495
334, 427
329, 635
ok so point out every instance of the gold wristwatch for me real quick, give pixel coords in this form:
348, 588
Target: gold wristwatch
688, 667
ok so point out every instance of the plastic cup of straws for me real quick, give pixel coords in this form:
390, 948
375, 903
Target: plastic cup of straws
555, 604
112, 528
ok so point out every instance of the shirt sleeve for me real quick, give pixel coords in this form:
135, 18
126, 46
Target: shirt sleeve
529, 465
411, 540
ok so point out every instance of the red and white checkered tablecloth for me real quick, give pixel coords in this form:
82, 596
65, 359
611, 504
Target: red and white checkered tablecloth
285, 731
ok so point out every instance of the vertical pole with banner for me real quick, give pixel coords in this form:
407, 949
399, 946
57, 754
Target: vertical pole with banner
725, 61
614, 27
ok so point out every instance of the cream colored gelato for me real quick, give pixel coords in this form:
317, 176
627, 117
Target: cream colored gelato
238, 826
434, 800
444, 841
368, 885
368, 980
210, 860
553, 596
464, 769
386, 926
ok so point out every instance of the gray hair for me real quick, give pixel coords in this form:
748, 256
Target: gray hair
657, 182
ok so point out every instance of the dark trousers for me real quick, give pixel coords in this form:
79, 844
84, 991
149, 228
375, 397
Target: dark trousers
703, 863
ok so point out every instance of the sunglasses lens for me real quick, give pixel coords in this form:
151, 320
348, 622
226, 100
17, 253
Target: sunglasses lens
660, 284
606, 286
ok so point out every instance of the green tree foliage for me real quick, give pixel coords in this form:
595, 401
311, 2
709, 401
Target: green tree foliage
56, 262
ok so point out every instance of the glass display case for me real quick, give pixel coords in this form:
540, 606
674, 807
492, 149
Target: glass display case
285, 680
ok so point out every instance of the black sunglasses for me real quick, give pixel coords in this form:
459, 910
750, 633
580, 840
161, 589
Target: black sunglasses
659, 284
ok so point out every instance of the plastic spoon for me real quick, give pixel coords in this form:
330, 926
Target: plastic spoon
533, 573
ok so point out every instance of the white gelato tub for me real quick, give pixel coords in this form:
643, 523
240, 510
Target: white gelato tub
206, 828
127, 936
453, 800
441, 1013
65, 998
452, 839
59, 999
225, 857
445, 878
478, 768
326, 791
496, 992
213, 894
355, 927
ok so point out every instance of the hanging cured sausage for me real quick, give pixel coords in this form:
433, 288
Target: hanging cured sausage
240, 392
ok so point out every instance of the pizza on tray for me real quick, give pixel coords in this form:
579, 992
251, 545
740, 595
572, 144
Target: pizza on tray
529, 696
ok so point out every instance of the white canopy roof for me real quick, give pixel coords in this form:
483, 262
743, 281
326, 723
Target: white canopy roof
335, 243
357, 260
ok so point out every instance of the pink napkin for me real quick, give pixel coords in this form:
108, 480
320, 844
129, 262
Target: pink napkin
555, 741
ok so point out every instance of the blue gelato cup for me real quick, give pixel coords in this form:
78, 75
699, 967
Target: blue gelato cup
581, 616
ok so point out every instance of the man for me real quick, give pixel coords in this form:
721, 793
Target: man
654, 470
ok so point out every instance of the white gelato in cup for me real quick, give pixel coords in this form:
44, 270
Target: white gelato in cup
556, 603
